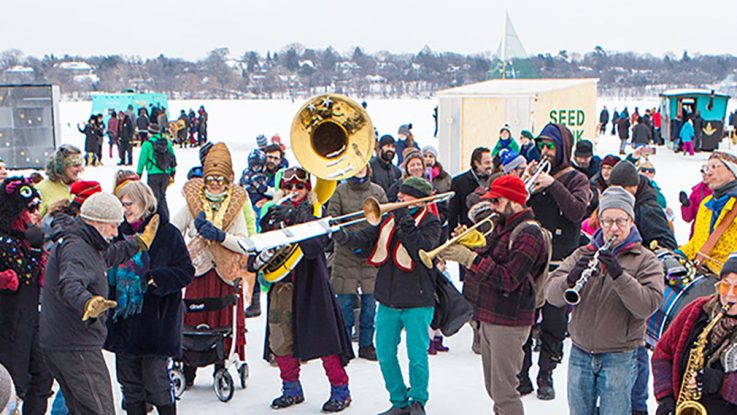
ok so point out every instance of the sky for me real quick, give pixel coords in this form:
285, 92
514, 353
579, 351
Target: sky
190, 29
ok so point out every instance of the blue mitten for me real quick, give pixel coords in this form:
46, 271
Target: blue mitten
130, 285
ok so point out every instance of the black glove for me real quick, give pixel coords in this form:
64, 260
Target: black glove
683, 197
575, 274
610, 263
711, 380
35, 236
666, 406
399, 213
341, 237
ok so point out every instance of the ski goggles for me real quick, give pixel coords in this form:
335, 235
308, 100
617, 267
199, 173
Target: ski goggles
295, 174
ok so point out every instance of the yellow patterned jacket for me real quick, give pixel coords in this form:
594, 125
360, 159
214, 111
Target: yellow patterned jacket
726, 244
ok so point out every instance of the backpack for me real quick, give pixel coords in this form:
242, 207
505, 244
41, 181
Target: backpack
452, 310
542, 281
163, 158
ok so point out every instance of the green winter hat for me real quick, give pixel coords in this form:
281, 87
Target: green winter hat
527, 134
416, 187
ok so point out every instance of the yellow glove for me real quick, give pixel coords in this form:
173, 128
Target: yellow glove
171, 180
473, 239
460, 254
149, 232
96, 306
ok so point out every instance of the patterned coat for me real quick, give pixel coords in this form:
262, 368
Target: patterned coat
726, 244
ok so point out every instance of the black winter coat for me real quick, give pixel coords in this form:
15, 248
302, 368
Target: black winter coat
90, 138
126, 130
317, 322
623, 128
19, 309
650, 218
641, 133
384, 174
157, 330
396, 288
463, 185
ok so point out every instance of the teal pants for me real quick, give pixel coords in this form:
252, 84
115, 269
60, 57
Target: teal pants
389, 325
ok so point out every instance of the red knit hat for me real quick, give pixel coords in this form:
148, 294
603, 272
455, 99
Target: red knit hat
508, 186
82, 189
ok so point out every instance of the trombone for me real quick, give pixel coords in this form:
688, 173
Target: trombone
427, 257
372, 213
543, 166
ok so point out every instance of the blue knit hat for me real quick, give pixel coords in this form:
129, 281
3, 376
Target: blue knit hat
510, 160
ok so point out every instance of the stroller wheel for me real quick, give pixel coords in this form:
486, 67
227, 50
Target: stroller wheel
223, 385
243, 373
177, 379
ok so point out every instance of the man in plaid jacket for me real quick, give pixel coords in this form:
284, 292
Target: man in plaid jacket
504, 276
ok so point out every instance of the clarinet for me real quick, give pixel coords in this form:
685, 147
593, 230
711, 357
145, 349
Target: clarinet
572, 295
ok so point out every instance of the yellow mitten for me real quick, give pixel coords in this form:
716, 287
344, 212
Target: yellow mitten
473, 239
96, 306
149, 232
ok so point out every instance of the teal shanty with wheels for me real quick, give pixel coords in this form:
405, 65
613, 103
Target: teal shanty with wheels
710, 105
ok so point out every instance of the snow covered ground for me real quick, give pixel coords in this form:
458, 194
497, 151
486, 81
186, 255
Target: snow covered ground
456, 379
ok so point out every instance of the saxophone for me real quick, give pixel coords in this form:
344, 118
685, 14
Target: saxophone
689, 396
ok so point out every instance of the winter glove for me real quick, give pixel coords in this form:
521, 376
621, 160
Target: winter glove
711, 380
97, 306
575, 274
683, 198
400, 213
341, 237
460, 254
263, 257
129, 291
35, 236
610, 263
9, 280
666, 406
207, 230
149, 232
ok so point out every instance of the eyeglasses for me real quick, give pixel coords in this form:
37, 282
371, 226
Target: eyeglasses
543, 144
723, 288
295, 173
298, 186
215, 179
647, 170
608, 222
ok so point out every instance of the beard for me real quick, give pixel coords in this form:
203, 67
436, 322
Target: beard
387, 156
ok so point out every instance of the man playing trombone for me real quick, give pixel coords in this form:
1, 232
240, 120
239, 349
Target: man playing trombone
405, 292
506, 275
616, 284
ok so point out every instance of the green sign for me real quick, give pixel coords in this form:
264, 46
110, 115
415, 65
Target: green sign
571, 118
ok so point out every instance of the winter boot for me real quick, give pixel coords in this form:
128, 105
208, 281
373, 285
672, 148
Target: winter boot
396, 411
135, 408
340, 398
291, 395
368, 353
545, 389
167, 410
439, 344
254, 310
416, 409
431, 350
525, 384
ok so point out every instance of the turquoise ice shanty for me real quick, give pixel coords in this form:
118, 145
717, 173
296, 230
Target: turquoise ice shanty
104, 103
711, 105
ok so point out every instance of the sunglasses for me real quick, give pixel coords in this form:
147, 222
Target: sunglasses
543, 144
298, 186
723, 288
33, 206
295, 173
215, 179
647, 170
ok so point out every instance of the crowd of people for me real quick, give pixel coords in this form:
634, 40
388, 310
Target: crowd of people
82, 270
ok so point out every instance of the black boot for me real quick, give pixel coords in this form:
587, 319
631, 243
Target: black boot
254, 310
135, 408
545, 390
525, 384
167, 410
368, 353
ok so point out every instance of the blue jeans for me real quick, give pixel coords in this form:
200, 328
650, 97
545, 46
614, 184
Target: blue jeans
639, 390
390, 322
638, 145
366, 318
606, 377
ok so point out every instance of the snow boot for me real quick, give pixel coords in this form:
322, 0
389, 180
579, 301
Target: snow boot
368, 353
431, 350
167, 410
416, 409
254, 310
439, 344
340, 398
545, 390
525, 384
291, 395
396, 411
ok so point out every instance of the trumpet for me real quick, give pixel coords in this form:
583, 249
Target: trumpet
373, 211
543, 166
427, 257
573, 295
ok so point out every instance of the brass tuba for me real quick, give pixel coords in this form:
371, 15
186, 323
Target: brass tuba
332, 137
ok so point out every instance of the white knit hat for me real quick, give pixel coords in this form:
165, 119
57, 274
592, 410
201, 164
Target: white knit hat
102, 207
7, 391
